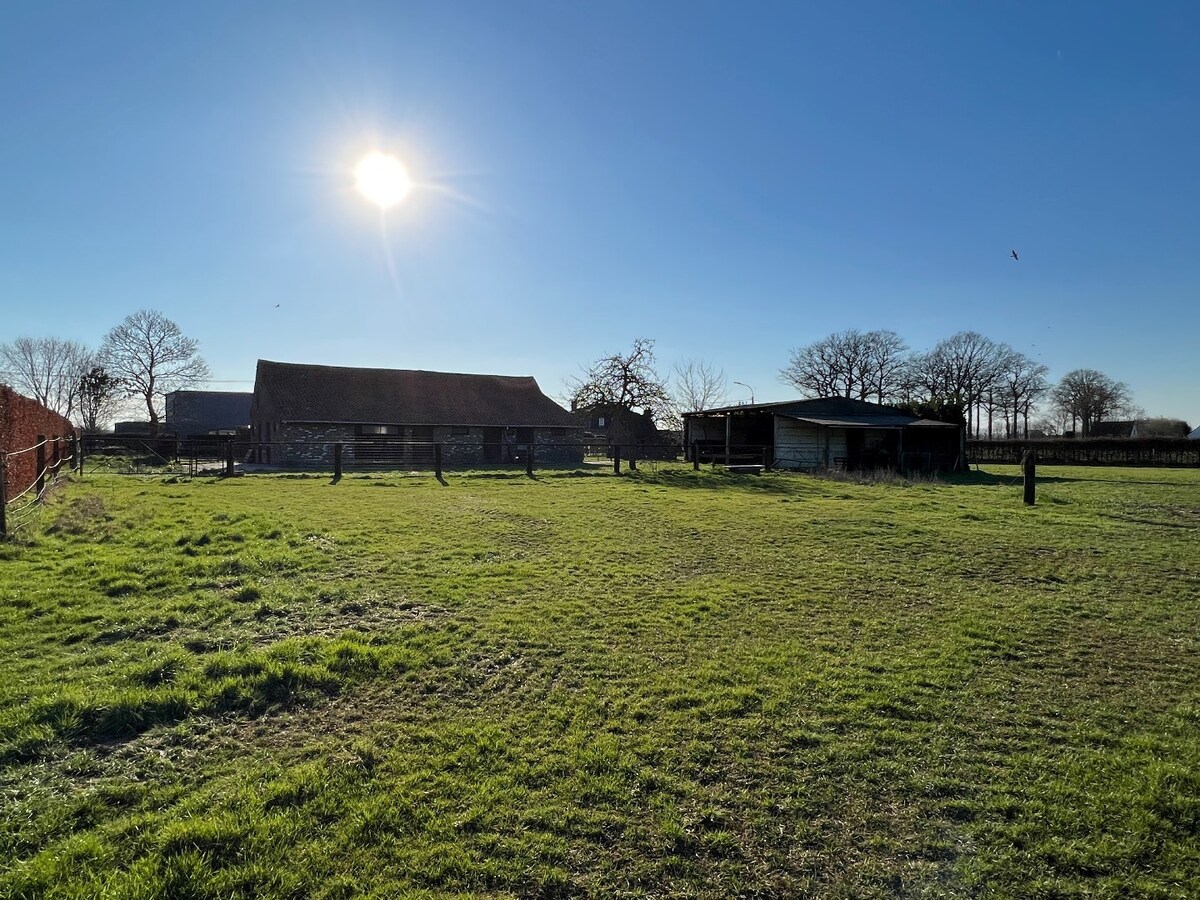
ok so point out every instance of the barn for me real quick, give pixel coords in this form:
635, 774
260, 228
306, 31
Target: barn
828, 433
396, 416
192, 414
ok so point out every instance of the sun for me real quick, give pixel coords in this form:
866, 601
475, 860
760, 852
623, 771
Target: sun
382, 179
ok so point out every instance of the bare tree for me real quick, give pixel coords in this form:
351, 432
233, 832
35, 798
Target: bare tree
627, 381
835, 366
859, 365
46, 369
1089, 397
698, 385
960, 371
887, 367
151, 357
1022, 383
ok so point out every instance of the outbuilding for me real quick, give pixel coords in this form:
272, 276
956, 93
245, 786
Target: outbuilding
827, 433
396, 416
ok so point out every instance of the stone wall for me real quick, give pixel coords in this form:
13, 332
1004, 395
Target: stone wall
311, 446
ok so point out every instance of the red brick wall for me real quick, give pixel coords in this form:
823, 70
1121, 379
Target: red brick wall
21, 421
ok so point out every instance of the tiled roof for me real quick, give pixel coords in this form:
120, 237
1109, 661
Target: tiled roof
304, 393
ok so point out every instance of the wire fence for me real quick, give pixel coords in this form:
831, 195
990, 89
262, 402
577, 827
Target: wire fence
52, 457
220, 455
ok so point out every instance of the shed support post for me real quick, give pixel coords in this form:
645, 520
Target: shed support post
529, 459
695, 457
767, 458
229, 458
437, 461
337, 460
616, 452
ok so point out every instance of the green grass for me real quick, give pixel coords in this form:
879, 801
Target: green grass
665, 684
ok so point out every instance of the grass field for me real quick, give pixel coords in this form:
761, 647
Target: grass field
668, 684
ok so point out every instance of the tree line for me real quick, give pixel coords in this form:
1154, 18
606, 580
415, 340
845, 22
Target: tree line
143, 358
992, 388
989, 386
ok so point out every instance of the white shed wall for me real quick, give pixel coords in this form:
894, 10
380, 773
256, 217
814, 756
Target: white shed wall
799, 445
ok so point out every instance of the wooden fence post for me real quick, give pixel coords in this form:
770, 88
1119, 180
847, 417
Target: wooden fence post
79, 459
1029, 468
41, 465
616, 452
229, 458
437, 461
529, 459
633, 458
695, 457
767, 459
337, 460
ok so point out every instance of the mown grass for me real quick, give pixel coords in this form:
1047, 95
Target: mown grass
665, 684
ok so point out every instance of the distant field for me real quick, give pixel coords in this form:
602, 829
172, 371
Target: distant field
667, 684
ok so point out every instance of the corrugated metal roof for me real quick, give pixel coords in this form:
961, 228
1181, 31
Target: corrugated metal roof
883, 421
343, 395
838, 412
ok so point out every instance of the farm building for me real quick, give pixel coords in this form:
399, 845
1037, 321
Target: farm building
202, 413
830, 433
396, 416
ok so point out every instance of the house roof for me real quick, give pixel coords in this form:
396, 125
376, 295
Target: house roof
344, 395
1111, 429
839, 412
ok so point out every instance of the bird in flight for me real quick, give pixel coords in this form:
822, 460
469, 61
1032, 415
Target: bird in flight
1014, 255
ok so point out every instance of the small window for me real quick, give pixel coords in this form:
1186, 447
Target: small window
600, 422
378, 430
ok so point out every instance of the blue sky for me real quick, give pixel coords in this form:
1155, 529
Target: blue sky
732, 180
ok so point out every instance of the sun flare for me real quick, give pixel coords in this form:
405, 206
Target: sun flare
382, 179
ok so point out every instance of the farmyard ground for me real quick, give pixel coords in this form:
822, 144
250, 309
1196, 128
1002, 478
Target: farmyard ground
664, 684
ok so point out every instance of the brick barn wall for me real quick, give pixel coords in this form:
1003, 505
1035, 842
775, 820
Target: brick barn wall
21, 421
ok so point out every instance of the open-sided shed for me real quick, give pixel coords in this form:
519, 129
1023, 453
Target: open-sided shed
829, 433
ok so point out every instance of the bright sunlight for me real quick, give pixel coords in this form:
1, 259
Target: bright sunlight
382, 179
